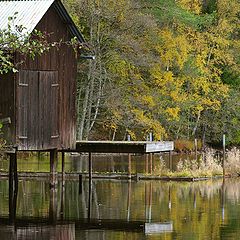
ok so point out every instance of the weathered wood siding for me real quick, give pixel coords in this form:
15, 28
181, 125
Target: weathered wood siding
7, 106
38, 110
52, 115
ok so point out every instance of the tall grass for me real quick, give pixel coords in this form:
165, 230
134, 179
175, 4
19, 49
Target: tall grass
232, 165
209, 165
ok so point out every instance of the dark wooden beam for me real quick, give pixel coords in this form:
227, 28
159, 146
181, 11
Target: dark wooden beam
122, 147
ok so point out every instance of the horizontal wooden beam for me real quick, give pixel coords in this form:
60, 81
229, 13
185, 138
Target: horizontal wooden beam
123, 146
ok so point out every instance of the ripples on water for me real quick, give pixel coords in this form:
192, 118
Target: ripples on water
121, 210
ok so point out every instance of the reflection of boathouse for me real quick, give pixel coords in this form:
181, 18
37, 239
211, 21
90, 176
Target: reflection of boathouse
44, 232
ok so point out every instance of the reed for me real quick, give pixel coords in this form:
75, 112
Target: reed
232, 165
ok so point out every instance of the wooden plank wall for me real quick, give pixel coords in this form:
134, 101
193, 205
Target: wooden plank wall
62, 60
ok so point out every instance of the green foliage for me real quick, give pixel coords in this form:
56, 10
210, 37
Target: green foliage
16, 39
170, 12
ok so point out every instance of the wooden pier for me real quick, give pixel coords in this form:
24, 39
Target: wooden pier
139, 147
90, 147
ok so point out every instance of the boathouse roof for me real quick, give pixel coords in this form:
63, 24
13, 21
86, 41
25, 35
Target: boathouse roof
28, 14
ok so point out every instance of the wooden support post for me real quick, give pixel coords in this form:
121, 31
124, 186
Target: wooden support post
13, 186
223, 199
129, 200
53, 167
146, 164
90, 166
80, 184
146, 201
11, 170
169, 198
89, 185
170, 160
89, 199
129, 165
150, 136
53, 206
129, 159
151, 162
150, 203
224, 154
150, 155
62, 201
11, 189
63, 168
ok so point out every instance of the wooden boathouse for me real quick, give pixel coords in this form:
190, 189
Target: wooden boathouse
38, 102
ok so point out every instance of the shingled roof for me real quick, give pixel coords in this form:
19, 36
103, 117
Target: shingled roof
28, 14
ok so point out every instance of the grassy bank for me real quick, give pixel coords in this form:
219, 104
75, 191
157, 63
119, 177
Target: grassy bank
207, 165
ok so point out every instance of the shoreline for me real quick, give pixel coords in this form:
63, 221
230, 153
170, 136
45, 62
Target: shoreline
111, 176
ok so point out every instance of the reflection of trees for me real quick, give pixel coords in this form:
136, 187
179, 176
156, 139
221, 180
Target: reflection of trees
196, 208
40, 232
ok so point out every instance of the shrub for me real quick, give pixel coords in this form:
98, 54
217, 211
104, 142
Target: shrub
184, 145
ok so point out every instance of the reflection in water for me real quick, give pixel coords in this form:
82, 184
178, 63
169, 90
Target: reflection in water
101, 163
42, 232
120, 210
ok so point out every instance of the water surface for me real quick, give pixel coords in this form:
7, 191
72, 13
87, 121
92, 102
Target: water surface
101, 162
120, 210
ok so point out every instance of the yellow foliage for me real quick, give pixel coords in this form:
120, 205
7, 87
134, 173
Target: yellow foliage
149, 124
120, 66
191, 5
148, 100
173, 49
173, 113
132, 134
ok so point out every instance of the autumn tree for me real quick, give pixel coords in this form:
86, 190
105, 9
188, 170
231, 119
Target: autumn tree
161, 67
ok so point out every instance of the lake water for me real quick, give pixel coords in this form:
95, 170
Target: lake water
119, 209
101, 163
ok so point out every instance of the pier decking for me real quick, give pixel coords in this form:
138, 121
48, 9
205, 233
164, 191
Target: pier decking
123, 146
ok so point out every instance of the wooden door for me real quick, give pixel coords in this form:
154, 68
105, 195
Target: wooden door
49, 109
38, 110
